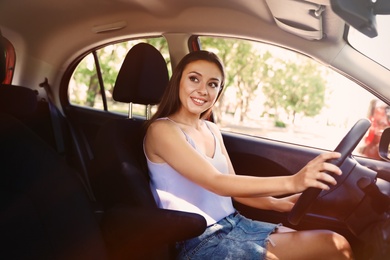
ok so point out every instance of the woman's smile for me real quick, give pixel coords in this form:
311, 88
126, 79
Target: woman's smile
198, 101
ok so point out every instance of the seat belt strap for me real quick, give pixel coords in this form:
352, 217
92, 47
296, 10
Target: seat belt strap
59, 136
55, 118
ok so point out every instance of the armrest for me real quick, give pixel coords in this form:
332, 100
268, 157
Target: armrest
139, 231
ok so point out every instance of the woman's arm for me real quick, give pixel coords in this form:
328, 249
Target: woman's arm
284, 204
166, 143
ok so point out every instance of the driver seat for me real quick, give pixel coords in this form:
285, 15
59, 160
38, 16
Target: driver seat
120, 178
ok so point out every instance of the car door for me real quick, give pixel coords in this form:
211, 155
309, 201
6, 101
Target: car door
281, 109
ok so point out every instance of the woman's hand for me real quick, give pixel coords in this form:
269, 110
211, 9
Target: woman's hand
315, 175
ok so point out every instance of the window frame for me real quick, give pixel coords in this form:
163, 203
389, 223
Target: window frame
196, 41
65, 83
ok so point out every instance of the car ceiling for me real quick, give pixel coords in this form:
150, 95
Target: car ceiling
46, 25
77, 18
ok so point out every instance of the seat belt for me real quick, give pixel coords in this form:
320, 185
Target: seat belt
55, 118
59, 137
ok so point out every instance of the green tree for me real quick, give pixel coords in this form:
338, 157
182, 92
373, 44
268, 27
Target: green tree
242, 65
295, 87
85, 74
109, 61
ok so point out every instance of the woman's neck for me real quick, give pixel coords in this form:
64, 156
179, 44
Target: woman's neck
191, 121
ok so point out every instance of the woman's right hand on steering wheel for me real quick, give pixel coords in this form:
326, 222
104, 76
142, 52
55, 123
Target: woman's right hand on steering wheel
317, 173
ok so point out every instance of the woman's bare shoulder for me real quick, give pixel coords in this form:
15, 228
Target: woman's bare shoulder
162, 136
162, 127
160, 124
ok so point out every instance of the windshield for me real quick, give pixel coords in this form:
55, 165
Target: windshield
375, 48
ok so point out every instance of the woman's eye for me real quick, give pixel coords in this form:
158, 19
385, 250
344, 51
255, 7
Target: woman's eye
194, 79
214, 84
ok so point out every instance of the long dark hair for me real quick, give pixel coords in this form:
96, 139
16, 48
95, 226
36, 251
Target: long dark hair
170, 101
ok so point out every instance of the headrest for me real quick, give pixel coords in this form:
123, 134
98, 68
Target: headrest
17, 101
142, 77
2, 59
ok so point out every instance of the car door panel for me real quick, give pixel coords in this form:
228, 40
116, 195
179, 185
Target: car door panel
85, 123
264, 157
89, 120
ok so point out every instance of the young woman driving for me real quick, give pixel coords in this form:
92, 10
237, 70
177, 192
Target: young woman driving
191, 171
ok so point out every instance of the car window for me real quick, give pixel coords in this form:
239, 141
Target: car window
85, 87
282, 95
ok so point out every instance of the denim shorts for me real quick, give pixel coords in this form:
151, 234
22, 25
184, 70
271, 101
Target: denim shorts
233, 237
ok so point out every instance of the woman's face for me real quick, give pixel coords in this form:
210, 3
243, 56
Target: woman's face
199, 86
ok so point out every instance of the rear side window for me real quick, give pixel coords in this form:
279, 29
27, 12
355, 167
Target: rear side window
275, 93
85, 87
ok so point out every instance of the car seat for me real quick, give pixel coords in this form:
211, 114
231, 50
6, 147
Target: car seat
120, 163
45, 213
33, 111
120, 177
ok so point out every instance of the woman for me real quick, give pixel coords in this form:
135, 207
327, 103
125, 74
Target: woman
191, 171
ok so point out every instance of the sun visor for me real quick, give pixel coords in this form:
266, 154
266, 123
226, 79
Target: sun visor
301, 18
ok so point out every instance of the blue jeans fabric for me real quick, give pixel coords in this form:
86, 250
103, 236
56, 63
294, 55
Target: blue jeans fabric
233, 237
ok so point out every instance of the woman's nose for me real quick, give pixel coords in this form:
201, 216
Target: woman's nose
202, 88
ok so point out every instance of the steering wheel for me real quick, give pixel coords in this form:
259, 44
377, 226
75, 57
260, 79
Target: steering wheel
345, 147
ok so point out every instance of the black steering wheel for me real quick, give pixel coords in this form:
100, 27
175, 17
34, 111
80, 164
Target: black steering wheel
345, 147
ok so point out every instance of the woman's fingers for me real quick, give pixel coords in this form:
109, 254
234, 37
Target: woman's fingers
327, 178
318, 184
318, 173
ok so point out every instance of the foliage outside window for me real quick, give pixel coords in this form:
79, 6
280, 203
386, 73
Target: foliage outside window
84, 88
278, 94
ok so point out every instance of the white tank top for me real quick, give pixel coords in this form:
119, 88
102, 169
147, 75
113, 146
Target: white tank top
173, 191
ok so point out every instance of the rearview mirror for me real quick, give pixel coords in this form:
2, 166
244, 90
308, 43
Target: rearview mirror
361, 14
384, 145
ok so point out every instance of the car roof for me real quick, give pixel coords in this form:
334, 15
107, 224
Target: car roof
77, 20
56, 32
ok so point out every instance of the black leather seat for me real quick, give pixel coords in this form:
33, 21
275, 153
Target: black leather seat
45, 213
121, 173
121, 178
44, 210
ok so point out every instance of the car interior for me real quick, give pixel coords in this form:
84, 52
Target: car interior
60, 219
75, 181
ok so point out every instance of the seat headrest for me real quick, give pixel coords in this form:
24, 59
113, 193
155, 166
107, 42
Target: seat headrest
2, 59
17, 101
142, 77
